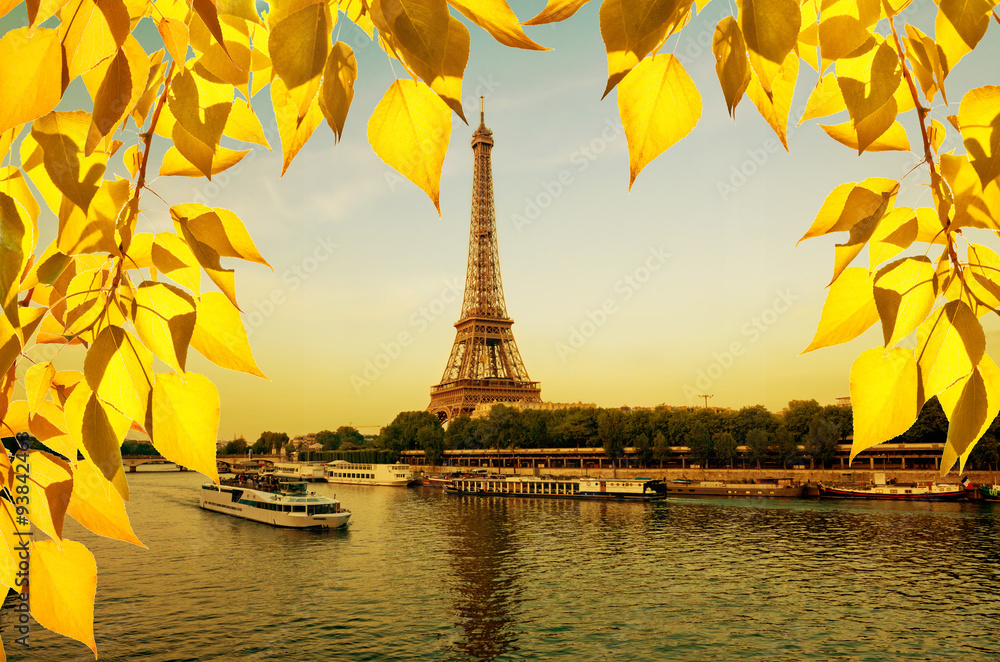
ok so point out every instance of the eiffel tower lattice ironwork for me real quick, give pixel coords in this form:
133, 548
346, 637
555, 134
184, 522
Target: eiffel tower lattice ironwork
484, 365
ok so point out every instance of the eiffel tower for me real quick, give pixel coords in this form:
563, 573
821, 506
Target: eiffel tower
484, 365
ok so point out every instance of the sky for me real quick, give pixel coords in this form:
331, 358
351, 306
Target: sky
690, 284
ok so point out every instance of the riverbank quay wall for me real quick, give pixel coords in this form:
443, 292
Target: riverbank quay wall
826, 476
885, 457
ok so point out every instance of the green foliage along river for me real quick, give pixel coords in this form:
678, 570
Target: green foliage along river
425, 575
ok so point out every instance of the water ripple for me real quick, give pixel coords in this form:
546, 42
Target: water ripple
424, 575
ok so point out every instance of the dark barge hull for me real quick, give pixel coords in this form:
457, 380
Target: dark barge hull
736, 491
834, 493
587, 496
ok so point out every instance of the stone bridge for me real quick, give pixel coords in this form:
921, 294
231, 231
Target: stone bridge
133, 462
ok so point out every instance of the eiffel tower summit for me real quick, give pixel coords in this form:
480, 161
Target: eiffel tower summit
484, 365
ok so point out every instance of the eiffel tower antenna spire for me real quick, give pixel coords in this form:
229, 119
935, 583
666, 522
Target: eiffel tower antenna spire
484, 365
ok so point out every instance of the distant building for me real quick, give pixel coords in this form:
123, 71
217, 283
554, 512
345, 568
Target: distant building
483, 409
844, 402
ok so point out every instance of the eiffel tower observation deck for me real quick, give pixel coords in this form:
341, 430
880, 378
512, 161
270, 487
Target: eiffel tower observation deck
484, 365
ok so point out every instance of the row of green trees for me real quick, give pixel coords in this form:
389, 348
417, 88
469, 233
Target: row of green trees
345, 438
713, 437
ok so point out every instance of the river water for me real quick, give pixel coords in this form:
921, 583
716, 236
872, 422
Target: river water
424, 575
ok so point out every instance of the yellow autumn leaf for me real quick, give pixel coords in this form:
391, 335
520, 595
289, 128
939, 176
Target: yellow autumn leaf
37, 381
50, 482
771, 30
119, 370
868, 82
979, 118
123, 84
929, 62
63, 586
936, 134
232, 67
91, 31
337, 90
929, 228
432, 43
173, 257
863, 230
175, 37
905, 291
220, 337
31, 76
40, 11
164, 319
974, 206
971, 405
894, 138
950, 343
731, 63
293, 133
496, 17
298, 46
883, 395
16, 418
208, 258
244, 126
18, 236
97, 506
848, 312
357, 11
556, 11
175, 164
94, 231
184, 421
850, 204
982, 278
98, 430
157, 75
631, 29
959, 26
55, 162
659, 105
774, 107
219, 228
201, 109
9, 556
410, 129
14, 184
85, 302
48, 425
209, 14
845, 26
895, 233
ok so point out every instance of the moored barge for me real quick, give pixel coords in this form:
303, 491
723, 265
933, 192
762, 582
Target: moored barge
398, 475
764, 489
930, 492
640, 489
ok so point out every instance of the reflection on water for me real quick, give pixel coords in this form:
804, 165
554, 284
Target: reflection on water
429, 576
486, 585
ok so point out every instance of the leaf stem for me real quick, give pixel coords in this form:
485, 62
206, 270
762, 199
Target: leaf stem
922, 112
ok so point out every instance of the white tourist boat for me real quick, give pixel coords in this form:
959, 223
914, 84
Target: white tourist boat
277, 504
340, 471
306, 471
642, 489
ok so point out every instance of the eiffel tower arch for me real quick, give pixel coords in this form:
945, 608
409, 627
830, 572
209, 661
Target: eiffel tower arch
484, 365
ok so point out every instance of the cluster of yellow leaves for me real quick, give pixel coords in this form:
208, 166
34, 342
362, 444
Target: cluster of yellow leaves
134, 300
924, 274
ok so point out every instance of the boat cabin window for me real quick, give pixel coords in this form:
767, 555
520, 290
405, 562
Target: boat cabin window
298, 509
